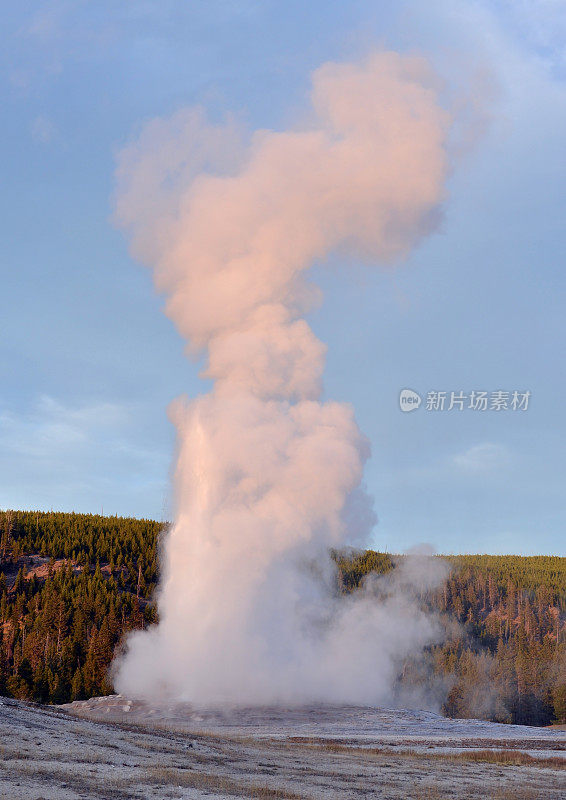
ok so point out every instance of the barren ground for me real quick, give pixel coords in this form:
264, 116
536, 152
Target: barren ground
115, 749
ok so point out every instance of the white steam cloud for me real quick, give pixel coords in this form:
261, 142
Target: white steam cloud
267, 475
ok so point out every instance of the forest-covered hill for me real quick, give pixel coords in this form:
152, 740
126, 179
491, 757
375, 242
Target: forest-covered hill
71, 586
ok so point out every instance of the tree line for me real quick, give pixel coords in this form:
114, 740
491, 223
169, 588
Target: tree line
503, 656
72, 585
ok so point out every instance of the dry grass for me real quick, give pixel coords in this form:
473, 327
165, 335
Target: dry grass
512, 758
505, 794
517, 793
114, 788
514, 793
217, 783
514, 744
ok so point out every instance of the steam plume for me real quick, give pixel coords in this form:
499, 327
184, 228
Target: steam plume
266, 473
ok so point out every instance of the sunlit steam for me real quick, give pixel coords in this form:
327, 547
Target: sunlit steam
267, 474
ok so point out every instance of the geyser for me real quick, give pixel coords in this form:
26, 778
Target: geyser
266, 473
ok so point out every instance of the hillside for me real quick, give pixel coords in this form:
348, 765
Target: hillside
71, 585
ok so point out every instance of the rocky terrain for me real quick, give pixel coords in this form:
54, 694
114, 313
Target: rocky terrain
114, 749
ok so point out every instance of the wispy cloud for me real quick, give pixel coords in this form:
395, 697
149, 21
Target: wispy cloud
51, 428
484, 457
43, 129
78, 456
540, 23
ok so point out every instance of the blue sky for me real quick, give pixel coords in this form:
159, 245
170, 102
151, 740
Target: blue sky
90, 363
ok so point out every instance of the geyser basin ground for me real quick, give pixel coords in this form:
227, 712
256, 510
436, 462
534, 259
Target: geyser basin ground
367, 727
117, 749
